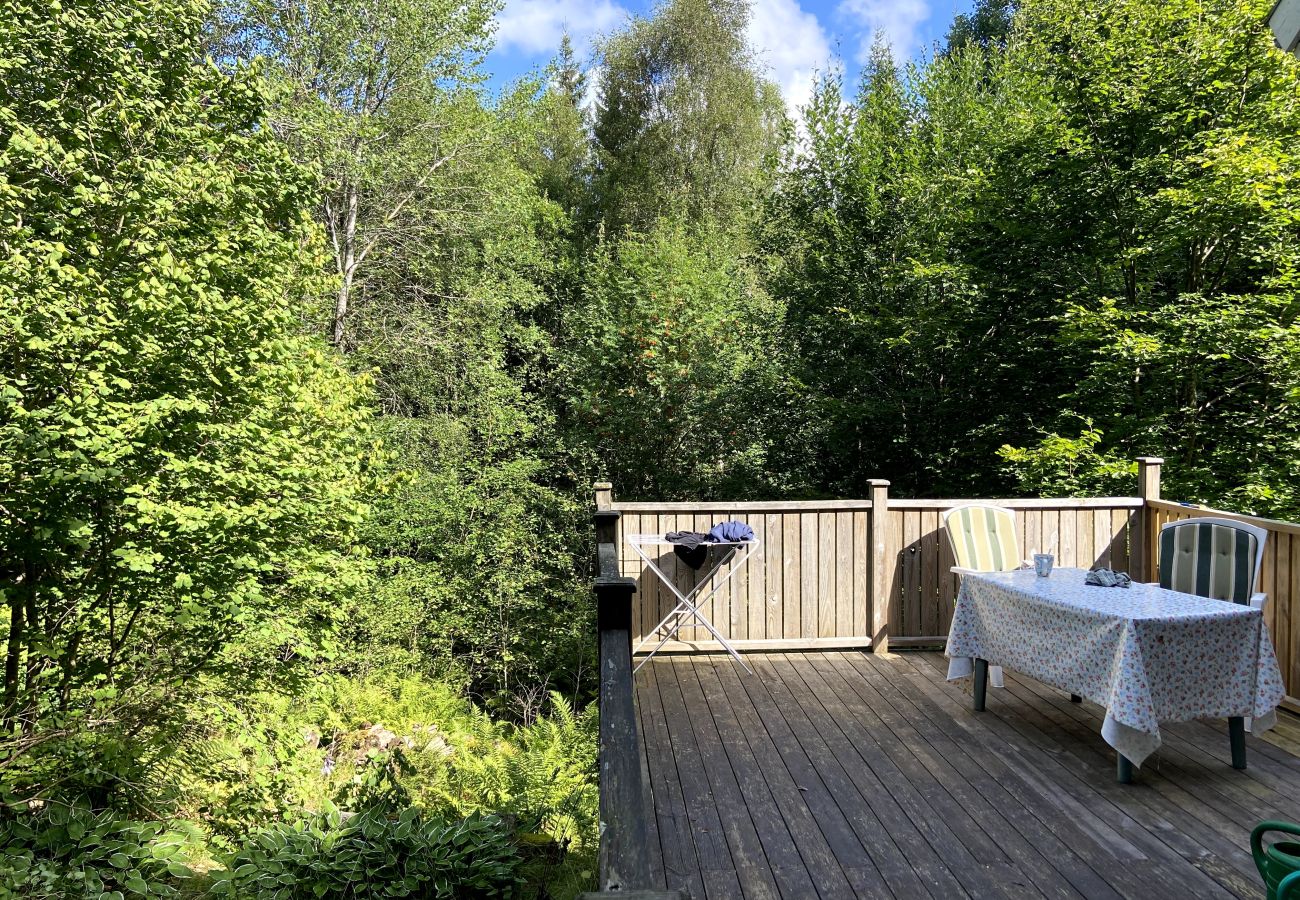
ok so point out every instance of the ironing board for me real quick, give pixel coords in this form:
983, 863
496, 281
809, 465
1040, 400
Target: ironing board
689, 603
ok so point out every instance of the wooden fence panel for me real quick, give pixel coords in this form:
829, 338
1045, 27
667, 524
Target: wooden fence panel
806, 586
809, 583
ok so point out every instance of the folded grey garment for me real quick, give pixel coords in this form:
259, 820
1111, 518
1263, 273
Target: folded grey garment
1107, 578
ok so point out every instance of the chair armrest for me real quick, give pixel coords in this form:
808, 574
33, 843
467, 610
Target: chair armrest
958, 570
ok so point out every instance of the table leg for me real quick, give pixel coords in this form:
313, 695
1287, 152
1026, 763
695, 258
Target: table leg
1237, 739
981, 683
1075, 698
1123, 769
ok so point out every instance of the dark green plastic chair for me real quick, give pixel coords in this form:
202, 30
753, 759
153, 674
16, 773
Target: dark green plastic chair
1278, 862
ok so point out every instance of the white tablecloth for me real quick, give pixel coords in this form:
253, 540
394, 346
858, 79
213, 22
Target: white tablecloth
1146, 654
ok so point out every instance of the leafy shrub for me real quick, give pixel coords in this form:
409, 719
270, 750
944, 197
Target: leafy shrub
183, 471
372, 855
1061, 466
360, 745
68, 853
542, 777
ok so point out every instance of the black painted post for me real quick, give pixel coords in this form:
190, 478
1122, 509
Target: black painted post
624, 845
1237, 739
981, 683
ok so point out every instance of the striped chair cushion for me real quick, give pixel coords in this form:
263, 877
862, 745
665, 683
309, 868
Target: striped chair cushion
1208, 560
984, 539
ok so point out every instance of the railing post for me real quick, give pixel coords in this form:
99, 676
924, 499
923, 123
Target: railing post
880, 566
604, 496
1146, 537
624, 846
1149, 477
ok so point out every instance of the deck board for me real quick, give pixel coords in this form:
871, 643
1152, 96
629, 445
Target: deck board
847, 775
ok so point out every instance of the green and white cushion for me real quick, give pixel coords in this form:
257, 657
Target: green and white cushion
1215, 559
983, 538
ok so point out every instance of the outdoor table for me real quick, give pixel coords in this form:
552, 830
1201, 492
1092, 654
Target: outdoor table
689, 603
1146, 654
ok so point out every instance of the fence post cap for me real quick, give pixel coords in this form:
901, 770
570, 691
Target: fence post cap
603, 486
878, 482
1151, 460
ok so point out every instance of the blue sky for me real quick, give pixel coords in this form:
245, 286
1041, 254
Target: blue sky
793, 38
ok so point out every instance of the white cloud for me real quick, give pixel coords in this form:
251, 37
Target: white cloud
896, 20
535, 26
793, 46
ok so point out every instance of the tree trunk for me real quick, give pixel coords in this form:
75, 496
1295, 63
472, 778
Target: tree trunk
341, 310
347, 264
13, 655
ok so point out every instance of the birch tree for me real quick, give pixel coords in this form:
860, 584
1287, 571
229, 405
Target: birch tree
684, 117
382, 96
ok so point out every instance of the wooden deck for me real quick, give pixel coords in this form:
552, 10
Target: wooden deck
842, 775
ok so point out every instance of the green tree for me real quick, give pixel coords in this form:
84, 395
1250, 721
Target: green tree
452, 239
1161, 195
901, 368
380, 96
562, 162
988, 25
667, 367
683, 120
181, 473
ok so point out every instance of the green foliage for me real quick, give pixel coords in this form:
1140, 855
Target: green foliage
1071, 467
684, 120
562, 158
988, 25
668, 364
393, 743
1168, 148
380, 96
903, 368
442, 242
179, 467
474, 549
61, 853
370, 855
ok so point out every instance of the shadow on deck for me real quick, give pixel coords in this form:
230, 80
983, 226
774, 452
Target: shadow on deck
854, 775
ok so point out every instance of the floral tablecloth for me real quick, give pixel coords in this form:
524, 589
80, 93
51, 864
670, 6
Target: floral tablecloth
1148, 655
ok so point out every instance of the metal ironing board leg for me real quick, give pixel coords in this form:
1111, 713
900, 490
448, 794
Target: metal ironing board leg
688, 606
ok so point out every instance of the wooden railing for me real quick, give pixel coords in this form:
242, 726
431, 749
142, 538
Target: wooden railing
876, 572
851, 573
625, 852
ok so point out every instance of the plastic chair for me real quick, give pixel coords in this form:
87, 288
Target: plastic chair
1233, 550
983, 539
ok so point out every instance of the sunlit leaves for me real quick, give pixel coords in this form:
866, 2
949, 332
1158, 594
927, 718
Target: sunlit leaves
176, 463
